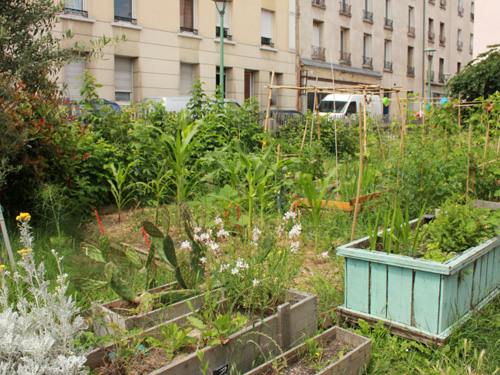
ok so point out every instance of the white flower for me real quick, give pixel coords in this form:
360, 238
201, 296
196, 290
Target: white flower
235, 270
289, 215
224, 267
205, 237
218, 220
196, 238
295, 231
222, 233
186, 245
256, 234
255, 282
214, 246
241, 264
203, 260
197, 230
293, 250
324, 254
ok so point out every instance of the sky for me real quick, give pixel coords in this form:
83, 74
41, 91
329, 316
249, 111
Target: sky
486, 24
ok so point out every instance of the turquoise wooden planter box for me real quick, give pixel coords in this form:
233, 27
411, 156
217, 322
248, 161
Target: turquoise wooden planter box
418, 298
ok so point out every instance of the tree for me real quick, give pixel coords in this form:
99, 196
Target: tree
480, 77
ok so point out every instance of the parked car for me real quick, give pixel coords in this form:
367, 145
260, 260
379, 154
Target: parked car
279, 117
80, 108
341, 106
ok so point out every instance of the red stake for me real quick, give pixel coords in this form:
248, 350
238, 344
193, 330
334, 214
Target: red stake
238, 214
99, 221
145, 236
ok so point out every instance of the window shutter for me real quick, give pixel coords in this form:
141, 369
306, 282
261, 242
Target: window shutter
316, 34
267, 24
123, 75
72, 71
74, 4
187, 79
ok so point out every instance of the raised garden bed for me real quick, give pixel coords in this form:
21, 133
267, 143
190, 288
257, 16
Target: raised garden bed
117, 312
352, 363
294, 320
418, 298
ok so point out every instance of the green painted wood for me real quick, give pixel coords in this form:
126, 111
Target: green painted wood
399, 298
464, 293
476, 282
448, 308
357, 294
378, 290
490, 285
496, 267
426, 297
484, 276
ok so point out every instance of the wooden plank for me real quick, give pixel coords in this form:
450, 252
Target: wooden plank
476, 282
357, 284
496, 267
448, 310
399, 286
344, 206
378, 290
368, 197
425, 304
490, 277
464, 292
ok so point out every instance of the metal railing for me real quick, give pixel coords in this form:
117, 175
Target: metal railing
318, 53
411, 31
388, 66
388, 23
345, 9
345, 57
442, 4
441, 77
427, 76
367, 62
76, 12
410, 71
133, 21
472, 16
460, 10
460, 45
189, 30
226, 33
367, 16
319, 3
442, 40
431, 36
266, 41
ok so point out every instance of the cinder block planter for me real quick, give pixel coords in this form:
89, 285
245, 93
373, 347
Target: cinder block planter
353, 363
418, 298
110, 313
294, 321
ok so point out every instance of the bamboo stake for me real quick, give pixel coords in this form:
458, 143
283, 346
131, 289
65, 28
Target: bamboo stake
356, 206
468, 163
305, 134
266, 124
364, 121
486, 145
6, 239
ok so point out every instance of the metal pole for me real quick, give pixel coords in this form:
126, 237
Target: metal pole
429, 77
221, 39
6, 239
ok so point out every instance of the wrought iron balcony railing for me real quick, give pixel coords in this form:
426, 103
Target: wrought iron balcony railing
442, 40
266, 42
318, 53
345, 9
410, 71
367, 16
431, 36
131, 20
431, 76
388, 24
319, 3
367, 62
189, 30
345, 58
460, 45
388, 66
460, 10
411, 31
442, 4
76, 12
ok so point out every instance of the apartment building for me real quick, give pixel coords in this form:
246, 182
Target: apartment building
383, 41
169, 43
305, 42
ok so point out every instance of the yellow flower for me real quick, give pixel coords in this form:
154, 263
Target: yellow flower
25, 251
23, 216
279, 252
2, 267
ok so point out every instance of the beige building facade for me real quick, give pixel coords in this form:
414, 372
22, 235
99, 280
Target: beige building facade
305, 42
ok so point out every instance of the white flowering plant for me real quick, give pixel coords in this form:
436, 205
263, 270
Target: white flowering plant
255, 276
38, 333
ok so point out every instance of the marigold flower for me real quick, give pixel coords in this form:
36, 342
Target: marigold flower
25, 251
23, 216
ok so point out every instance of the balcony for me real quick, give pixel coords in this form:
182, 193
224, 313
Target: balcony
367, 62
410, 71
226, 33
345, 58
133, 21
411, 31
319, 4
189, 30
427, 76
441, 77
318, 53
442, 40
266, 42
431, 36
460, 11
388, 24
442, 4
460, 45
472, 17
388, 66
367, 16
345, 9
76, 12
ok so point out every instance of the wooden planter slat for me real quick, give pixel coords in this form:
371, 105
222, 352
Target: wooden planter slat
352, 363
424, 297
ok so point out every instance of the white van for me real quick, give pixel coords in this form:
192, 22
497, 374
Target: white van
343, 105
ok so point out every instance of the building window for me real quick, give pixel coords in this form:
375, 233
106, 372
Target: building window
411, 22
441, 70
249, 84
430, 34
345, 55
77, 7
442, 37
472, 11
278, 77
459, 67
319, 3
124, 11
318, 52
460, 8
345, 8
291, 25
410, 70
460, 43
188, 16
471, 44
367, 53
388, 22
367, 12
388, 56
187, 79
73, 78
267, 28
227, 22
124, 79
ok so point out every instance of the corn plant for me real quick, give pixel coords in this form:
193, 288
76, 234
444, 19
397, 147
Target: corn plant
121, 190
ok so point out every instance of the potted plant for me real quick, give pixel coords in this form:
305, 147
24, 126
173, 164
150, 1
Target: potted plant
335, 351
427, 281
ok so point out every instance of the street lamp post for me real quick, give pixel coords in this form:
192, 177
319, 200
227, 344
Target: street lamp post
221, 8
429, 52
